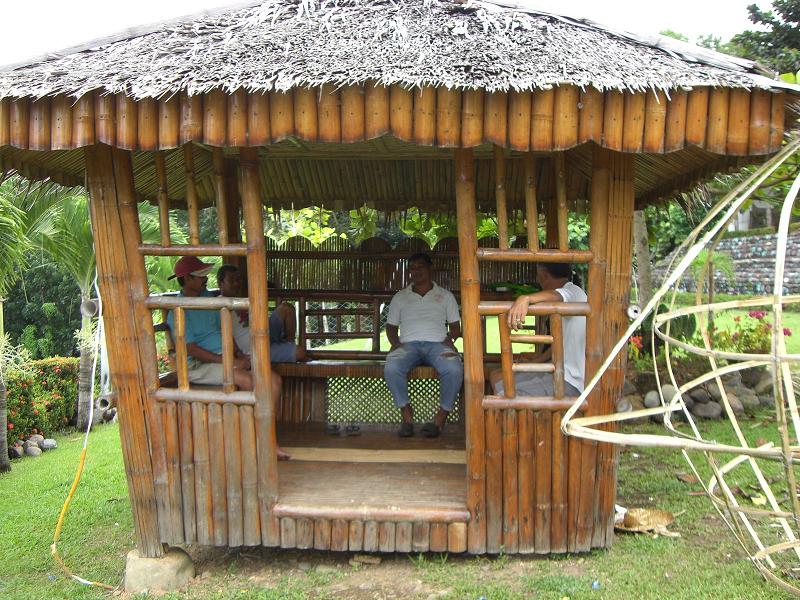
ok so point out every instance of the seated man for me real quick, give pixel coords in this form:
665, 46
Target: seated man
203, 335
428, 321
282, 322
554, 279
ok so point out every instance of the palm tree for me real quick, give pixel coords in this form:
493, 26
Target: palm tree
21, 217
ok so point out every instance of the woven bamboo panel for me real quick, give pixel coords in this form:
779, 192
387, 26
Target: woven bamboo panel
368, 400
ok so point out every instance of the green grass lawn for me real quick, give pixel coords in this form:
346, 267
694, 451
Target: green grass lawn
705, 562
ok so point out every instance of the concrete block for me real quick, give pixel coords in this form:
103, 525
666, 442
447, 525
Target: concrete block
154, 575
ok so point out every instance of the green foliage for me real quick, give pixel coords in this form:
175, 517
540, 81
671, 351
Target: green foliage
674, 34
719, 262
779, 46
42, 398
748, 334
669, 225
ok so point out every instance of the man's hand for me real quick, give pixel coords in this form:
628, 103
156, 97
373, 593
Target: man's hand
242, 362
518, 312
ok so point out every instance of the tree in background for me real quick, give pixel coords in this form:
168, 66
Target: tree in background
779, 46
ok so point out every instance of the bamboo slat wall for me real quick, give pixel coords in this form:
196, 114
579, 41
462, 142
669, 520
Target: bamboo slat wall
737, 122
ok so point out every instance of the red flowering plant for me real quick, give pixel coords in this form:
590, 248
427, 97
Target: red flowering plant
637, 356
750, 334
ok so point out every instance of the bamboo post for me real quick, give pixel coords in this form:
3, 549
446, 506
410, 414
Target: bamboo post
559, 490
758, 140
40, 124
421, 534
192, 208
473, 348
495, 118
5, 124
500, 196
559, 164
191, 118
510, 483
370, 536
219, 485
187, 472
557, 349
232, 446
494, 481
214, 118
355, 537
83, 121
288, 533
163, 199
108, 175
527, 482
330, 114
226, 332
531, 209
202, 475
339, 535
738, 122
250, 188
172, 438
386, 536
20, 123
718, 107
305, 533
281, 115
777, 121
633, 122
403, 535
507, 357
448, 117
251, 518
544, 479
220, 195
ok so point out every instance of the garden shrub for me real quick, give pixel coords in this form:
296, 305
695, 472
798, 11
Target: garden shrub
44, 400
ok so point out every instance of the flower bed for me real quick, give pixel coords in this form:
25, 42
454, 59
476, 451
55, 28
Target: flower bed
42, 401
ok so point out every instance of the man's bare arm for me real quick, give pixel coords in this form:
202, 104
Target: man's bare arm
392, 335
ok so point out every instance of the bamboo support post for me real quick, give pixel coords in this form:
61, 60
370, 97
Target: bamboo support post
500, 196
250, 188
633, 123
163, 199
738, 125
172, 438
590, 127
202, 475
544, 474
526, 480
557, 349
675, 128
448, 117
401, 112
531, 210
187, 472
560, 168
281, 115
386, 536
105, 118
40, 124
191, 118
61, 128
510, 483
558, 515
305, 533
219, 485
506, 357
760, 104
251, 516
258, 127
220, 191
288, 533
355, 541
226, 332
718, 108
20, 122
473, 348
353, 119
109, 181
232, 445
425, 116
83, 122
192, 203
613, 119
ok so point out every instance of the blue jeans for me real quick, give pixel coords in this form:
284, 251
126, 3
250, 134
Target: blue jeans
438, 355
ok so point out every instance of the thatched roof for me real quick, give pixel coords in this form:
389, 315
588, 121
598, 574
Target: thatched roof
282, 44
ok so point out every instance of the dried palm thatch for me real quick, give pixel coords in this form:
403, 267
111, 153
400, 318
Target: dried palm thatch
283, 44
767, 527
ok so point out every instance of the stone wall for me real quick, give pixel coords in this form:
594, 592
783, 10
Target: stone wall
754, 266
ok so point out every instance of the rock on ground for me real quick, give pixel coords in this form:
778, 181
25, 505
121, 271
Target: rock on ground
153, 575
652, 399
33, 451
700, 394
764, 384
708, 410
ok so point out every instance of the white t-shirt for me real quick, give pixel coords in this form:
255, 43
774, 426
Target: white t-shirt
574, 332
423, 318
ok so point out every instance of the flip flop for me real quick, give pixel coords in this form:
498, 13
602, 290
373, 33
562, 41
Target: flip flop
332, 429
406, 430
431, 430
352, 430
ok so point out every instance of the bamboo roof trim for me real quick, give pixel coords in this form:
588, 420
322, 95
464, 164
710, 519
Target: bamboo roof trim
278, 45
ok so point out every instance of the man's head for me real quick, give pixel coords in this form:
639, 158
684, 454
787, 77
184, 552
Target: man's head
192, 274
551, 276
229, 281
420, 268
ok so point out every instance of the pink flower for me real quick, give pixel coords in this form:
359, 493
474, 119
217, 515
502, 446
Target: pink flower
756, 314
787, 332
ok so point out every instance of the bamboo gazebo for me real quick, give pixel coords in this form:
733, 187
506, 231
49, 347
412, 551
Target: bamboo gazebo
443, 105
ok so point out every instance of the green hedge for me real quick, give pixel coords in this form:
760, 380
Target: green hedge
44, 400
760, 231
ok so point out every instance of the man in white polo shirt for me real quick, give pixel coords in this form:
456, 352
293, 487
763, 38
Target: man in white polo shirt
426, 317
554, 279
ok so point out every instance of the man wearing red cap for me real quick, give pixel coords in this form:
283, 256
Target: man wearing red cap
204, 335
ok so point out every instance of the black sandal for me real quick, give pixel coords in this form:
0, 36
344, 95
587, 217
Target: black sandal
352, 430
406, 430
332, 429
431, 430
